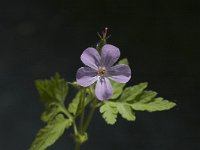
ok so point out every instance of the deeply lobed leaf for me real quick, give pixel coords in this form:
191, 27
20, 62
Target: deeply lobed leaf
109, 111
130, 93
146, 96
157, 104
50, 133
117, 89
51, 111
53, 90
133, 98
126, 111
73, 106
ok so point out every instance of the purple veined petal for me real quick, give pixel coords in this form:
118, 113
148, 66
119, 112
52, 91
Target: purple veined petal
103, 89
109, 55
90, 57
86, 76
120, 73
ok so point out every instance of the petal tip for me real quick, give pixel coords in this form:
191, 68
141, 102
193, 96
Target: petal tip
109, 55
90, 57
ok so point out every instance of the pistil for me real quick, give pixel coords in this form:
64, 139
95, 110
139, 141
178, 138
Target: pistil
101, 71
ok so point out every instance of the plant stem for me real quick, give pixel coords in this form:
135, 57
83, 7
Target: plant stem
82, 113
83, 125
90, 115
77, 146
66, 112
75, 128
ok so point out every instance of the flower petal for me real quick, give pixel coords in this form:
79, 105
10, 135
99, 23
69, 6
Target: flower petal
120, 73
86, 76
90, 57
109, 55
103, 89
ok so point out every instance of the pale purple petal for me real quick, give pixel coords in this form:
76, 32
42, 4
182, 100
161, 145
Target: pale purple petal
103, 89
86, 76
90, 57
120, 73
109, 55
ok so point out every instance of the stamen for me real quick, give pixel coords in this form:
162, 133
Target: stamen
101, 71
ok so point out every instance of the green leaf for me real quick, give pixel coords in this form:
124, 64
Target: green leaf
49, 134
51, 111
53, 90
133, 98
73, 106
123, 61
146, 96
126, 111
157, 104
109, 112
117, 89
130, 93
88, 98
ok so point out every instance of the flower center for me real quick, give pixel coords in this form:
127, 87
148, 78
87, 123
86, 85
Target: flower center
101, 71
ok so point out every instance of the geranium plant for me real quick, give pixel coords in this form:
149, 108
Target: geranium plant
100, 85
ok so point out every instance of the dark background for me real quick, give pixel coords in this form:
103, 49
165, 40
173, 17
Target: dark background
160, 39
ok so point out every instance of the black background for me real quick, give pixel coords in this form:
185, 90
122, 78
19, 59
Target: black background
160, 39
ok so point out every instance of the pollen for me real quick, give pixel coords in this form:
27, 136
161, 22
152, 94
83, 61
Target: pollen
101, 71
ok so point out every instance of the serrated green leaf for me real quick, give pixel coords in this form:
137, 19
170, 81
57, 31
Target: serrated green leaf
157, 104
117, 89
51, 111
146, 96
130, 93
88, 99
73, 106
53, 90
123, 61
109, 112
126, 111
50, 133
133, 98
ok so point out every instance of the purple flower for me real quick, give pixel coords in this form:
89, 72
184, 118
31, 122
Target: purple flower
101, 69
